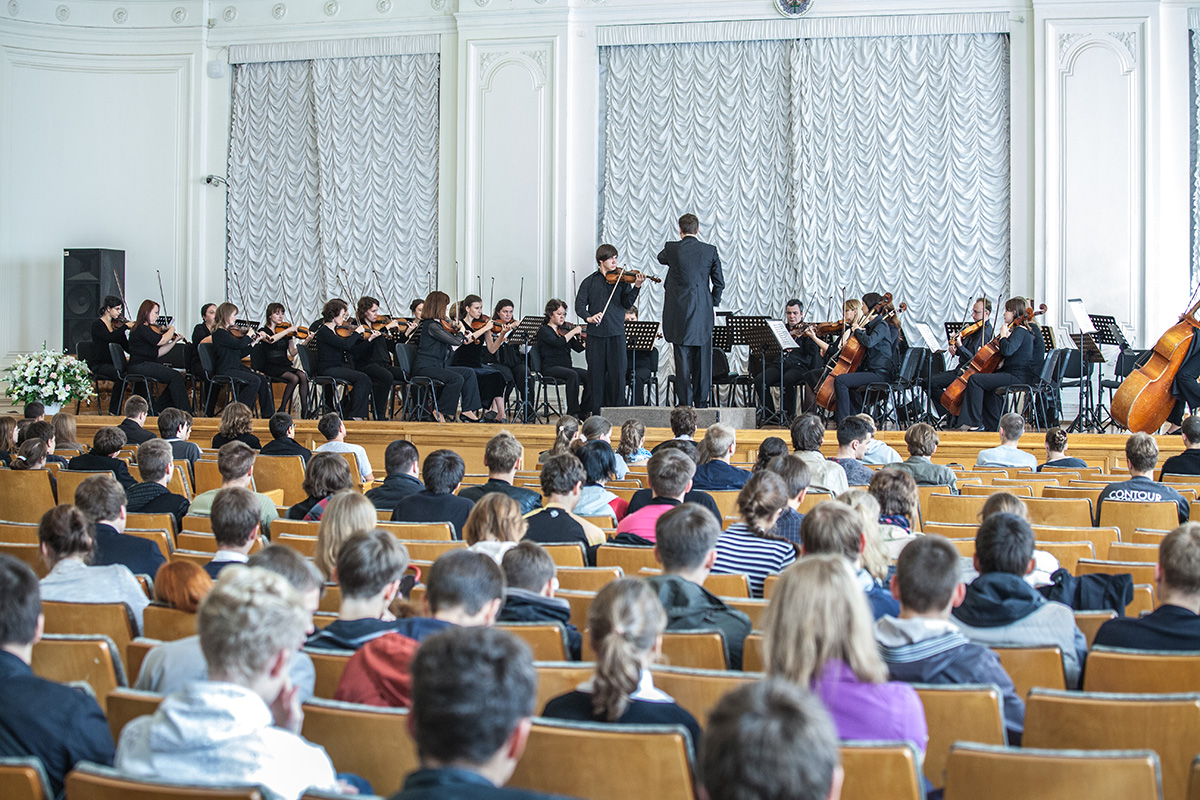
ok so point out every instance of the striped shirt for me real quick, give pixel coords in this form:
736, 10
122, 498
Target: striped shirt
740, 551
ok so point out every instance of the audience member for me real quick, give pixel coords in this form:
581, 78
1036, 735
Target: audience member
66, 432
325, 475
106, 444
834, 528
242, 725
102, 501
633, 442
175, 426
808, 433
1056, 450
31, 455
714, 472
625, 626
503, 455
598, 462
899, 507
236, 424
45, 431
818, 635
670, 475
56, 724
1000, 607
747, 546
566, 434
443, 473
1175, 624
132, 426
369, 568
686, 546
794, 473
683, 426
400, 461
348, 513
334, 431
878, 452
922, 645
562, 483
922, 442
283, 438
853, 435
8, 438
643, 496
770, 740
235, 526
1141, 455
1012, 426
34, 410
1045, 564
771, 448
156, 465
598, 429
67, 547
494, 526
181, 585
529, 585
235, 462
875, 558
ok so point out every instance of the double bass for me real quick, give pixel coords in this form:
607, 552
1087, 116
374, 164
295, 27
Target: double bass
852, 353
987, 359
1144, 400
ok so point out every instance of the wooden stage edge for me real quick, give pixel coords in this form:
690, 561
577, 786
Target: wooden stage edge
468, 440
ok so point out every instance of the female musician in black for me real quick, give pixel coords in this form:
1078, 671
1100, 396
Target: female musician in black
1020, 350
878, 363
506, 358
202, 333
109, 329
555, 341
965, 349
437, 336
333, 355
372, 353
475, 344
147, 346
228, 351
279, 356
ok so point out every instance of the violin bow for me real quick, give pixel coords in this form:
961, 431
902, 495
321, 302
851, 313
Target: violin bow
162, 298
120, 291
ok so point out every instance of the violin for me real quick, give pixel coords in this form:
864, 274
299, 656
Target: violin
818, 328
970, 329
480, 323
1144, 400
348, 328
244, 327
300, 333
389, 326
567, 327
853, 352
616, 276
987, 359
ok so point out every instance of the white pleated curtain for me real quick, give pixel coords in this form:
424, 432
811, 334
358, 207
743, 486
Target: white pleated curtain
333, 176
872, 163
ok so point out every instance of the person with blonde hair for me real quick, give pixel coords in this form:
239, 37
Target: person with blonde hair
714, 472
632, 447
182, 585
625, 622
875, 557
494, 526
347, 513
833, 528
236, 424
748, 546
66, 432
819, 635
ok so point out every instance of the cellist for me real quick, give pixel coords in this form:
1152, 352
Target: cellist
965, 348
1019, 348
880, 335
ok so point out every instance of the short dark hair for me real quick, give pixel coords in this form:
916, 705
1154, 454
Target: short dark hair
927, 573
669, 472
20, 602
852, 429
685, 446
502, 452
136, 406
40, 429
595, 426
794, 472
279, 424
463, 579
325, 474
689, 223
683, 420
922, 439
399, 457
235, 460
442, 471
527, 566
1004, 543
154, 459
108, 440
794, 301
808, 432
561, 473
769, 740
1141, 451
471, 687
604, 252
329, 425
832, 527
598, 460
34, 409
236, 513
368, 561
332, 308
283, 560
1190, 428
100, 497
1179, 556
170, 420
684, 536
771, 447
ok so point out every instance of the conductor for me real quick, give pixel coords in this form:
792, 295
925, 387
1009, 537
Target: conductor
691, 291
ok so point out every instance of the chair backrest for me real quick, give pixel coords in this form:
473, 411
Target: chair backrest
135, 654
25, 494
982, 772
167, 624
567, 554
431, 551
881, 769
91, 782
753, 656
1101, 538
208, 475
126, 705
197, 558
294, 527
1167, 724
698, 690
630, 558
962, 509
1128, 551
699, 649
163, 539
594, 761
733, 585
151, 522
987, 490
581, 603
1067, 553
587, 579
193, 540
535, 360
726, 502
958, 713
547, 640
329, 666
1141, 571
557, 678
285, 473
31, 554
1141, 671
69, 480
1089, 622
204, 351
116, 354
1129, 516
23, 779
370, 742
92, 659
416, 531
404, 358
769, 584
113, 620
1033, 666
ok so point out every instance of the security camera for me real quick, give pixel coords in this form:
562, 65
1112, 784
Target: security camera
215, 180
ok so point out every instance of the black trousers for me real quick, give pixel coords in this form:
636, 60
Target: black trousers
253, 385
793, 376
573, 377
606, 360
359, 398
938, 384
459, 383
1187, 387
981, 405
693, 374
382, 376
514, 378
296, 379
842, 385
175, 395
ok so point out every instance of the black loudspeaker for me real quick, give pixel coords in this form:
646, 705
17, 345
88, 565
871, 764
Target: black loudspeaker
88, 276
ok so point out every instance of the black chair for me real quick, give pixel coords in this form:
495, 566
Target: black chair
542, 384
420, 394
883, 400
207, 363
1126, 363
1032, 398
121, 364
258, 362
333, 397
722, 376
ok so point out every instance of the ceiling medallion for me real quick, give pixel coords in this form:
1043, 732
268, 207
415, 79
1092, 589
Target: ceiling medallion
792, 8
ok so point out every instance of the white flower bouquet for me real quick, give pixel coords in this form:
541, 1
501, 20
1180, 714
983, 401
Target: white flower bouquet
48, 377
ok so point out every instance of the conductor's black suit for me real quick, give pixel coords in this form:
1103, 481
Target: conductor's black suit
691, 291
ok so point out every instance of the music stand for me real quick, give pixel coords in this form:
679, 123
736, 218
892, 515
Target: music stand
526, 334
758, 334
1089, 417
952, 329
639, 338
1108, 332
1047, 337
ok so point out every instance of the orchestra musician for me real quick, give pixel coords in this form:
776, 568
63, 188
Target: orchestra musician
879, 334
200, 333
228, 351
691, 293
506, 358
478, 339
1017, 342
437, 337
108, 329
603, 308
555, 341
798, 363
280, 358
372, 353
333, 355
147, 346
644, 365
965, 349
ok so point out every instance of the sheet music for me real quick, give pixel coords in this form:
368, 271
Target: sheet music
782, 337
927, 336
1079, 313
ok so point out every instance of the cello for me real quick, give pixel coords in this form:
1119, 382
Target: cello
987, 359
1144, 400
852, 353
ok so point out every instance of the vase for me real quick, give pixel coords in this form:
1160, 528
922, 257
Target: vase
52, 408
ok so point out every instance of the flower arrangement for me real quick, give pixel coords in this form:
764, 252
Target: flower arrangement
48, 377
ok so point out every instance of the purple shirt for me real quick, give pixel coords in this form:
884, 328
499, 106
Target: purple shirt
871, 711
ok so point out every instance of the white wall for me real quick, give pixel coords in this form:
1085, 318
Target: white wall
109, 122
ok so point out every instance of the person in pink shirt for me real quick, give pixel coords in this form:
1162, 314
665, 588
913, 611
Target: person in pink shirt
670, 473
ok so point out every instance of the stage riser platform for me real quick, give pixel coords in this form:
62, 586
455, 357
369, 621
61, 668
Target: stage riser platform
660, 417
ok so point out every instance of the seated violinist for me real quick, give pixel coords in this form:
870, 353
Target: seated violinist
372, 353
110, 328
555, 342
437, 338
148, 343
479, 338
335, 337
280, 351
507, 358
1017, 344
876, 331
964, 348
797, 363
230, 346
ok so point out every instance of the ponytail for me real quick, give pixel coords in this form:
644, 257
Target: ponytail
625, 620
